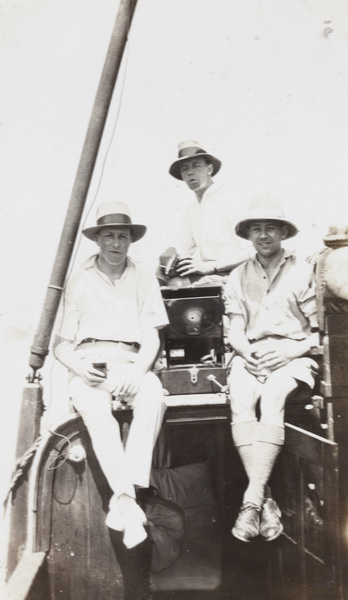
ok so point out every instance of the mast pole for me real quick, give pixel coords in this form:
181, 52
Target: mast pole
39, 349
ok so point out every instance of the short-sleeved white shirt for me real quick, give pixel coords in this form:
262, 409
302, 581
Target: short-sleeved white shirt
209, 227
284, 307
94, 307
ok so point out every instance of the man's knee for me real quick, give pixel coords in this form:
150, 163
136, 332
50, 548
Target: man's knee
151, 385
240, 381
93, 402
242, 411
278, 386
244, 394
275, 392
150, 394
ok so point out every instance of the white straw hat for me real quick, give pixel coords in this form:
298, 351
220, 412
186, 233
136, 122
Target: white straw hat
114, 214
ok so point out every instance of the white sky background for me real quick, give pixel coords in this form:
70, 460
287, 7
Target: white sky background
263, 84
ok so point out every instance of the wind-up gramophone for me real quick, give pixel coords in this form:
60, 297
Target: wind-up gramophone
193, 340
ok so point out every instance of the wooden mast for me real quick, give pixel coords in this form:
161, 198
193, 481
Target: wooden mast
85, 169
31, 407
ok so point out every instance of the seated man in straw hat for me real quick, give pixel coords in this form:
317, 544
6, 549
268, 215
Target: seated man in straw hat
111, 314
273, 326
208, 248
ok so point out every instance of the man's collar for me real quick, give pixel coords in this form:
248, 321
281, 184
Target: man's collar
211, 188
92, 262
89, 262
214, 187
286, 254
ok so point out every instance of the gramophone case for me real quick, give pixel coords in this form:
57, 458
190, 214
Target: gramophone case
193, 380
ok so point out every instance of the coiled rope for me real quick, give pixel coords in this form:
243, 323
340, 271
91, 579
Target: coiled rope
20, 465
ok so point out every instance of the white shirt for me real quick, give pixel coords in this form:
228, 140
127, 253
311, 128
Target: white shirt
284, 306
94, 307
209, 227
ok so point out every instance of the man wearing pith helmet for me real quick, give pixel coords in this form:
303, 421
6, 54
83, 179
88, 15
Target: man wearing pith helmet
111, 314
271, 303
207, 247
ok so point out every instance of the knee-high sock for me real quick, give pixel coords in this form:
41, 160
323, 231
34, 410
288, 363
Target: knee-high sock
268, 443
243, 435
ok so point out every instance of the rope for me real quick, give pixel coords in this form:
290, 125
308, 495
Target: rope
20, 465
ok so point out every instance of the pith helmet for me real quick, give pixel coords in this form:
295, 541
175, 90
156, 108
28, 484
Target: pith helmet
265, 208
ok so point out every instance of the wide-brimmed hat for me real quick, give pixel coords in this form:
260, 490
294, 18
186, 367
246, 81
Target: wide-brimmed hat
265, 208
190, 149
114, 214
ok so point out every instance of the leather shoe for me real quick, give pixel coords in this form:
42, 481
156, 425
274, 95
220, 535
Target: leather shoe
271, 526
247, 525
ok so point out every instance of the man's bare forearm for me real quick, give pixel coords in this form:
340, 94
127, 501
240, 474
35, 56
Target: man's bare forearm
238, 258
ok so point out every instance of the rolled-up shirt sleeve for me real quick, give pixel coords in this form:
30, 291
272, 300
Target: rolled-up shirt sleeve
307, 297
152, 311
231, 295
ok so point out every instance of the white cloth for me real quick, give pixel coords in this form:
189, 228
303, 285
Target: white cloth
208, 227
93, 307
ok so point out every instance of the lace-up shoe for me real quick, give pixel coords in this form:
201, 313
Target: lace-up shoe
247, 525
271, 526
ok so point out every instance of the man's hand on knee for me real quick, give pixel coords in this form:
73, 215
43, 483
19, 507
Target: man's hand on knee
128, 382
280, 353
252, 364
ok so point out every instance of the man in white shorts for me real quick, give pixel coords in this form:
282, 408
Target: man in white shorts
273, 327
